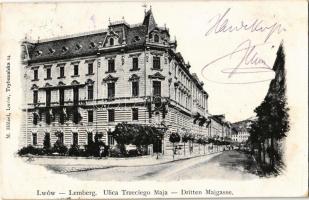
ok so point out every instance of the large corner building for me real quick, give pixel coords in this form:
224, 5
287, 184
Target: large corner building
82, 84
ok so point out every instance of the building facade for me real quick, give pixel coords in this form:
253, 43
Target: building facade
82, 84
242, 130
221, 128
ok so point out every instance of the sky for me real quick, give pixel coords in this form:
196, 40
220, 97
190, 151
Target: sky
188, 23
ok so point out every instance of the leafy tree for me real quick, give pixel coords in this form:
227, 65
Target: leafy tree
60, 148
46, 143
94, 148
199, 141
185, 138
74, 150
139, 135
174, 137
272, 114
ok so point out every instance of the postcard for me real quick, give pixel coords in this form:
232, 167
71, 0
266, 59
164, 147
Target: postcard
154, 99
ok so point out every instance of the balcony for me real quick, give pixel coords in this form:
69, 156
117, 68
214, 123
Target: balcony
36, 105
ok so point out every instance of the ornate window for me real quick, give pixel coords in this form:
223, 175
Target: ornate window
90, 137
111, 90
156, 62
47, 139
75, 95
135, 88
48, 97
35, 96
134, 113
61, 96
135, 63
35, 118
90, 68
59, 135
76, 70
90, 92
61, 118
156, 88
35, 74
111, 140
34, 138
90, 115
111, 65
111, 115
75, 138
48, 117
48, 73
111, 41
61, 71
156, 38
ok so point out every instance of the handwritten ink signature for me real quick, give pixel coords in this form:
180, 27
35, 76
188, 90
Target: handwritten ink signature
222, 25
249, 58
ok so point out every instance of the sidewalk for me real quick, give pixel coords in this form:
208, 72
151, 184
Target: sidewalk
75, 164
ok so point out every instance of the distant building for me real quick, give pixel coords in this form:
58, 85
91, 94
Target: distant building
220, 127
242, 130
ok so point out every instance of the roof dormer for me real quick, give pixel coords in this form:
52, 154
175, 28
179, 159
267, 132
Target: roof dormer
111, 39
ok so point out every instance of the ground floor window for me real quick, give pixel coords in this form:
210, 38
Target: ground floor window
60, 137
111, 115
34, 138
134, 113
75, 138
111, 140
90, 137
46, 141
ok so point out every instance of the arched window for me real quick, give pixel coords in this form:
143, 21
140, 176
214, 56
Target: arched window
111, 41
156, 38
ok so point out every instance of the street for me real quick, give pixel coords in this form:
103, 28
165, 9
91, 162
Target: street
227, 165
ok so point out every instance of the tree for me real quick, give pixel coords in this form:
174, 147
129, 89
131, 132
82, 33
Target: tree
272, 114
60, 148
174, 137
185, 139
46, 143
139, 135
94, 147
200, 141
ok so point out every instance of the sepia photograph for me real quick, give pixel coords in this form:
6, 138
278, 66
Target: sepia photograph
143, 99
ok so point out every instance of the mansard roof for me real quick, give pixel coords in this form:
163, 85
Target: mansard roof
82, 45
88, 43
65, 48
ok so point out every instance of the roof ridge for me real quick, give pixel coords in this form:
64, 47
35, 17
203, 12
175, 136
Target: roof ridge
68, 36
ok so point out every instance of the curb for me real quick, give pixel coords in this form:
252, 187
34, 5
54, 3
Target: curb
112, 166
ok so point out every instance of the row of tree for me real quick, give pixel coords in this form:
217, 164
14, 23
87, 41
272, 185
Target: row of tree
136, 134
96, 148
199, 139
272, 124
